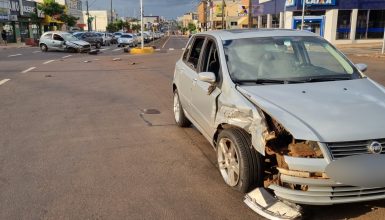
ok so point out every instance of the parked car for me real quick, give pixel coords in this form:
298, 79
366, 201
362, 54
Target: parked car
115, 37
127, 40
106, 38
93, 38
290, 117
64, 41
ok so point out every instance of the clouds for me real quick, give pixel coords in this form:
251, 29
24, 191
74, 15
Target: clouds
166, 8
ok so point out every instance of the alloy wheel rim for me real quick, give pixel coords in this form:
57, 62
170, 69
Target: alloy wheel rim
228, 161
176, 107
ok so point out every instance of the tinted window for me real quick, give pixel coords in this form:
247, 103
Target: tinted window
188, 48
211, 59
126, 36
57, 37
195, 52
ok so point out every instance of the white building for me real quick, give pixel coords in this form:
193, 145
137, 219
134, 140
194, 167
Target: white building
101, 19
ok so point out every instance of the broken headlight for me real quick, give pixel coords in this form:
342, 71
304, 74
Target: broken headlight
305, 149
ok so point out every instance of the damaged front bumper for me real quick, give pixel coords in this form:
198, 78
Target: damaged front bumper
350, 179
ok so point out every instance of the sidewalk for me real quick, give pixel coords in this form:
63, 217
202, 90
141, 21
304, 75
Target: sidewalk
13, 45
363, 50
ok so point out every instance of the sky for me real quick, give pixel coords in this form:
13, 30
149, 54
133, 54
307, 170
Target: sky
167, 8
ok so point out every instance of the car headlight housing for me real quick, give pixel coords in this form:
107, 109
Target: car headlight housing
305, 149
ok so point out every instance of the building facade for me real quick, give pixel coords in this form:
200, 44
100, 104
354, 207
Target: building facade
100, 20
338, 21
18, 18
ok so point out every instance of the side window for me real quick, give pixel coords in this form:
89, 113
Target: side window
57, 37
187, 50
48, 36
211, 61
196, 52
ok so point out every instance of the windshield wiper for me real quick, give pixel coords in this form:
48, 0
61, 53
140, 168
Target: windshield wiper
327, 78
267, 81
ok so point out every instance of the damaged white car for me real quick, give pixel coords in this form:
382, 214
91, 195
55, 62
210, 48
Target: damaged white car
293, 121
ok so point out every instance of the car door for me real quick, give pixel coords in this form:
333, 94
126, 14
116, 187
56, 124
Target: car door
57, 42
186, 71
204, 95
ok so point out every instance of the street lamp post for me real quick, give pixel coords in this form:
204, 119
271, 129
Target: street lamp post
88, 17
223, 14
141, 23
303, 13
250, 15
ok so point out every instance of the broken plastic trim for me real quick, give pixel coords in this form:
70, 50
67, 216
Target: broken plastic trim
268, 206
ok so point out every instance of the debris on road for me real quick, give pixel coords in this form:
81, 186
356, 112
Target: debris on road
127, 49
117, 59
151, 111
87, 61
93, 52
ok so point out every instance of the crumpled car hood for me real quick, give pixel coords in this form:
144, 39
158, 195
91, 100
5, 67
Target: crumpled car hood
325, 111
77, 42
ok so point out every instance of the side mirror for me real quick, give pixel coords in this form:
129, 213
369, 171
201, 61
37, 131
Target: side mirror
208, 77
362, 67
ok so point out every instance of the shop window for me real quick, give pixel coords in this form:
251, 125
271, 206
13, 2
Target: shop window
370, 24
234, 23
275, 21
343, 24
264, 21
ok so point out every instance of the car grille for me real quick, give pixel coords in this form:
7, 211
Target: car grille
354, 192
344, 149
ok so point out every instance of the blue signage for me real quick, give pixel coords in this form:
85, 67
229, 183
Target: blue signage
320, 2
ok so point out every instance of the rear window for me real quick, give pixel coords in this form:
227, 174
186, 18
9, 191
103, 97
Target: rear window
47, 36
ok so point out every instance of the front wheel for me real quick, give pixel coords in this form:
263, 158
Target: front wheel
180, 118
98, 45
43, 48
239, 164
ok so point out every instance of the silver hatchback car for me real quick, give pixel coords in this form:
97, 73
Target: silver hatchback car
292, 120
64, 41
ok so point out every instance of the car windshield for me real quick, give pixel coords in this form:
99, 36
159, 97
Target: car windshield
69, 37
287, 59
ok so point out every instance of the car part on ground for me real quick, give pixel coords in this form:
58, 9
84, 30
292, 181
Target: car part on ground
272, 103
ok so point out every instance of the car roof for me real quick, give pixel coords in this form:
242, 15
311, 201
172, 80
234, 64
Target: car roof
56, 32
251, 33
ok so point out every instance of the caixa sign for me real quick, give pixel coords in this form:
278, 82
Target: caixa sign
290, 3
320, 2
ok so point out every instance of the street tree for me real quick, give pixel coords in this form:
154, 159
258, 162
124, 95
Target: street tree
51, 8
69, 20
191, 27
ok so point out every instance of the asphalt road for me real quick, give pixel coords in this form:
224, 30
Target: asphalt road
76, 143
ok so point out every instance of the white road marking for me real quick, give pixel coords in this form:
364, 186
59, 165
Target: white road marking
171, 49
29, 69
104, 49
117, 49
49, 61
15, 55
66, 56
4, 81
38, 51
183, 48
166, 42
157, 49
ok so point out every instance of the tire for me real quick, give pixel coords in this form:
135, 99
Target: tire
43, 47
236, 154
180, 118
98, 45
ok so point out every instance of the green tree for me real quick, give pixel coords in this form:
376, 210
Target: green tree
136, 27
69, 20
51, 8
191, 27
112, 27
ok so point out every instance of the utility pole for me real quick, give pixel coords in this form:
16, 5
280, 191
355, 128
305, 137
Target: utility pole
111, 16
88, 17
250, 15
303, 13
223, 15
141, 23
95, 23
